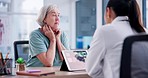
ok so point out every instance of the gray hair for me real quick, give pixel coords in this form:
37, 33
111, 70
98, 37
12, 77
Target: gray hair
44, 11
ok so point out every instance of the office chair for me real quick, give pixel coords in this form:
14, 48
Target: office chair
134, 58
21, 49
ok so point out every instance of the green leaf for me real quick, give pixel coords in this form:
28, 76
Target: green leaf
20, 60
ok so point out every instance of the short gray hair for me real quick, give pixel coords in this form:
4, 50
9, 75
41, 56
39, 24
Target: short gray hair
44, 11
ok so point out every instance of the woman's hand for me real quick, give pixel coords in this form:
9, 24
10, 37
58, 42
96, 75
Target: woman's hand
48, 32
59, 43
57, 34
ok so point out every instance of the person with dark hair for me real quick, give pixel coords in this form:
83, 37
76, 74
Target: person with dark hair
122, 19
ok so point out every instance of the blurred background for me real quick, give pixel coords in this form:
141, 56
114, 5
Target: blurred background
79, 18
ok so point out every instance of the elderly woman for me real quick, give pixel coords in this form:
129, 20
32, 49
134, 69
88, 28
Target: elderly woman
47, 42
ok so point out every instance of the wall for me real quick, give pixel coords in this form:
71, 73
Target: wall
99, 13
18, 21
67, 8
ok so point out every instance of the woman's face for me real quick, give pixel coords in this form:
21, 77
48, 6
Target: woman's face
107, 16
52, 19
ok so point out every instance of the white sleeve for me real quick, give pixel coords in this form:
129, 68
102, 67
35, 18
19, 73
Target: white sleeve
96, 53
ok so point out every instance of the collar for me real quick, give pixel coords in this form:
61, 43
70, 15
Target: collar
120, 18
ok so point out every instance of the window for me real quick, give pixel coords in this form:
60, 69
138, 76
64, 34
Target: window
146, 19
144, 12
18, 19
85, 22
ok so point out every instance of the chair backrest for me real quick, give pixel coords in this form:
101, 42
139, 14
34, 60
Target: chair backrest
21, 49
134, 58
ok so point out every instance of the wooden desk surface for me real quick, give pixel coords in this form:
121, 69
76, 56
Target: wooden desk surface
58, 73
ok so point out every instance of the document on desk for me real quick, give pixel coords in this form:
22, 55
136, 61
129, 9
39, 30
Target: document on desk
35, 73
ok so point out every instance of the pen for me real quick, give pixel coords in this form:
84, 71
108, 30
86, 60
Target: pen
1, 57
3, 64
7, 55
6, 58
6, 61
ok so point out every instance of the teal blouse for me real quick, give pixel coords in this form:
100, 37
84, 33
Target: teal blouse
39, 43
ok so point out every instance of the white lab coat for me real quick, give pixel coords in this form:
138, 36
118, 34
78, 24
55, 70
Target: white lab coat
103, 60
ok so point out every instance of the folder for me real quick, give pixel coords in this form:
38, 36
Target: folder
41, 73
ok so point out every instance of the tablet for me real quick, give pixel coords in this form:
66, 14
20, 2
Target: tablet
74, 60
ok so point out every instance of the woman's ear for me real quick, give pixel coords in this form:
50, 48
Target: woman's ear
108, 13
44, 21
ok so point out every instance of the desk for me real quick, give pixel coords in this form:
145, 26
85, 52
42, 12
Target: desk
58, 73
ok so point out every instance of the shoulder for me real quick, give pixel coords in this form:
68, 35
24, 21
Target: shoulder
35, 33
104, 28
63, 34
36, 37
104, 32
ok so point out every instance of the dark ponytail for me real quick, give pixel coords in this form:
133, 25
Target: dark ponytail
134, 16
128, 8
